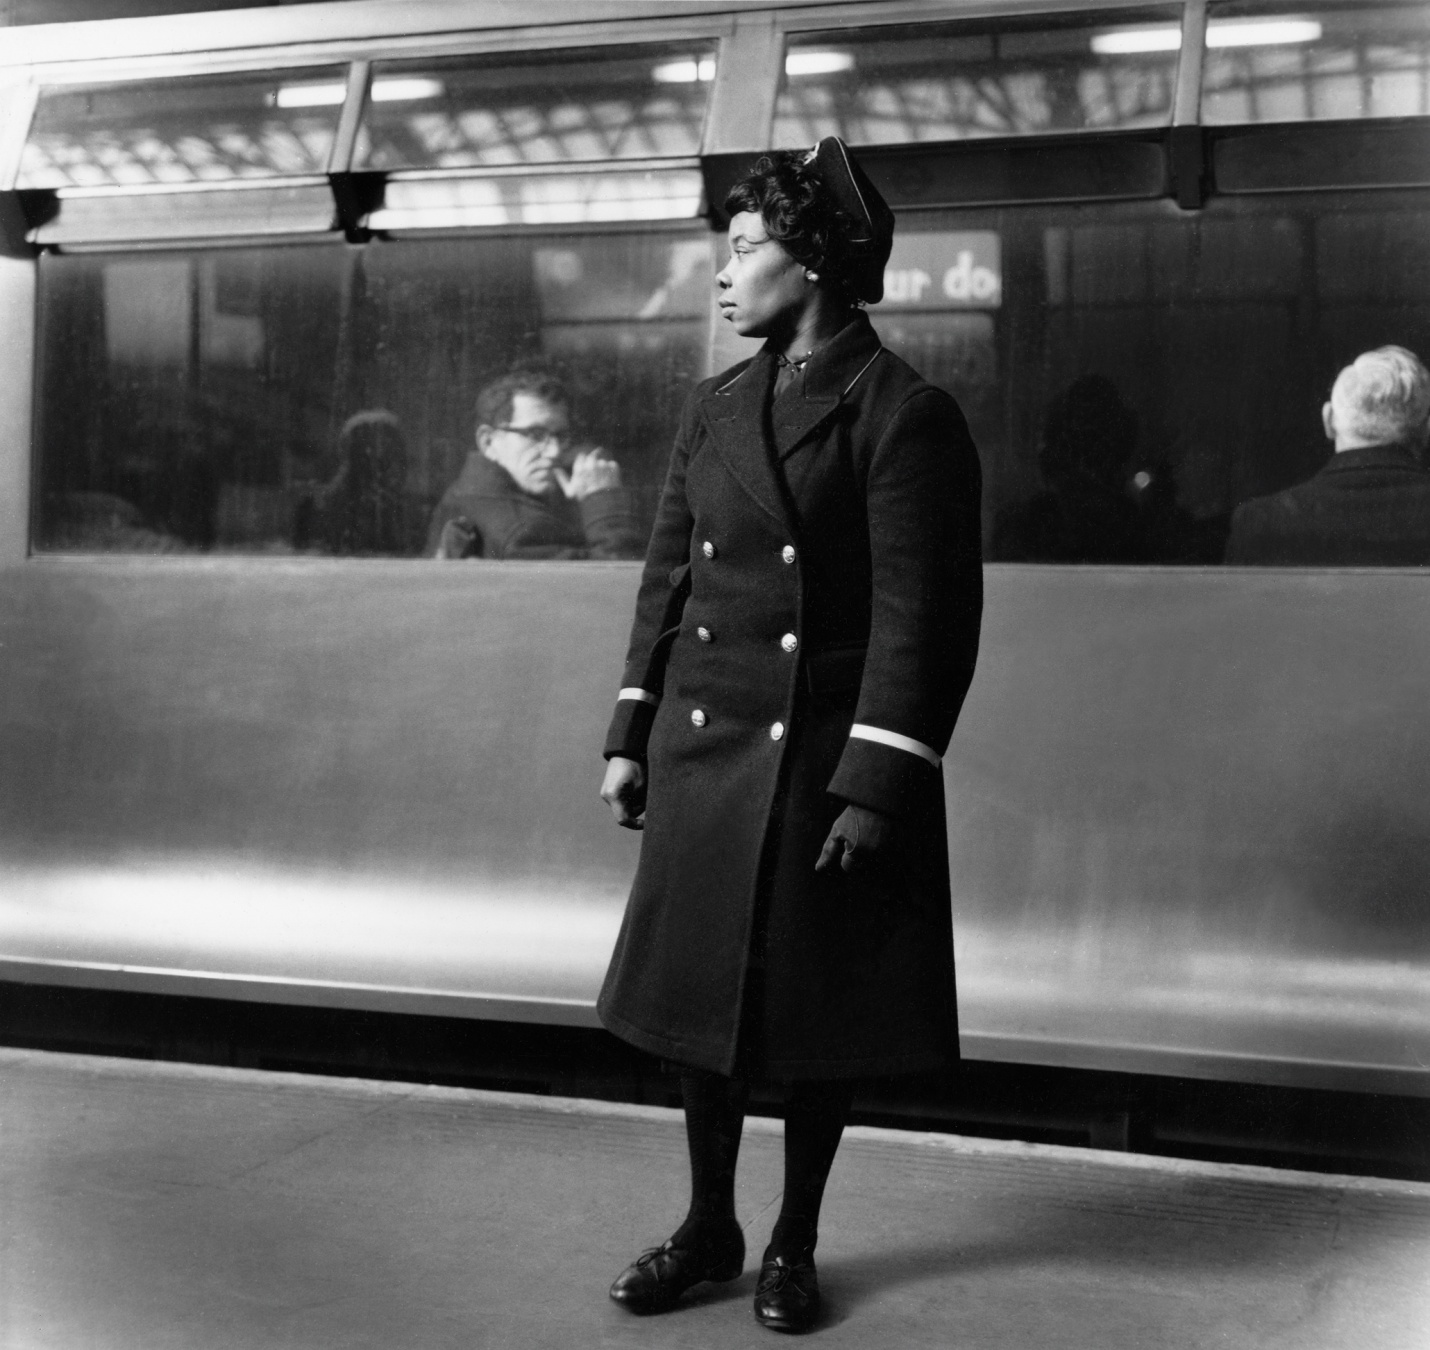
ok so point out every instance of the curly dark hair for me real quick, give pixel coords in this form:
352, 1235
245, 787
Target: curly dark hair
494, 401
801, 215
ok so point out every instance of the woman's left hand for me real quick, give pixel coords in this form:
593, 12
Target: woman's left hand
624, 792
856, 838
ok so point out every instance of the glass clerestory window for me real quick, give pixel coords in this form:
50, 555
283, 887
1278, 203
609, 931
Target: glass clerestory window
610, 103
1299, 63
209, 129
950, 82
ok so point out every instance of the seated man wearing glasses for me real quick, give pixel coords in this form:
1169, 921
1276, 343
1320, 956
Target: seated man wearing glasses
515, 499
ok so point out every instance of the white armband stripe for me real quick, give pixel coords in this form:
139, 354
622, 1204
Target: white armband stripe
860, 731
638, 696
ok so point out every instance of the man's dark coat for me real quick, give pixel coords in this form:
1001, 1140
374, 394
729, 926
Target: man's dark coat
496, 519
1366, 508
843, 523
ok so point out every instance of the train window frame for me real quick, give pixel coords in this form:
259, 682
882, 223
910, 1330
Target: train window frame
292, 207
1311, 154
415, 199
974, 22
690, 65
1228, 14
336, 204
683, 335
1201, 160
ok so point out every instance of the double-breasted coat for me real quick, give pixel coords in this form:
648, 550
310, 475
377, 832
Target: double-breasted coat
805, 633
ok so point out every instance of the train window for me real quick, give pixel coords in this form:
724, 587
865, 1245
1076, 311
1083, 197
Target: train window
1133, 373
607, 103
1309, 62
977, 79
323, 399
209, 129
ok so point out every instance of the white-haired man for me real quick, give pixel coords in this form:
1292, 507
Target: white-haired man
1370, 505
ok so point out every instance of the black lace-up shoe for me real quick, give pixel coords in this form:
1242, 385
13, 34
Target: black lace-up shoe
657, 1278
787, 1296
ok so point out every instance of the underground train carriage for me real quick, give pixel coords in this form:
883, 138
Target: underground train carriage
278, 757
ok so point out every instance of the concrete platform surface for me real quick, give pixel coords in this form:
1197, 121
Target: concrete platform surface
169, 1207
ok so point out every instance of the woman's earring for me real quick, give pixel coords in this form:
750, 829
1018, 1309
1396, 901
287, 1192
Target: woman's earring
811, 276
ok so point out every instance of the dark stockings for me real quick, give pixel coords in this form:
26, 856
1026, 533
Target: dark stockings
814, 1122
714, 1116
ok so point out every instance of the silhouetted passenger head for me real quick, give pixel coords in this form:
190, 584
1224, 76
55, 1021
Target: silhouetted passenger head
361, 508
823, 211
372, 453
1381, 398
1089, 433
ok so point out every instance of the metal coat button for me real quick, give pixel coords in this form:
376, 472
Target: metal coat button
697, 717
704, 634
708, 549
787, 553
777, 731
789, 642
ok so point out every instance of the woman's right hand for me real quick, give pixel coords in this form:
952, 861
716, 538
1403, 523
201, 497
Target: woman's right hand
624, 792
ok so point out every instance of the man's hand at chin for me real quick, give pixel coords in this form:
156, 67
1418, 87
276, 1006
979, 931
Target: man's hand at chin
591, 471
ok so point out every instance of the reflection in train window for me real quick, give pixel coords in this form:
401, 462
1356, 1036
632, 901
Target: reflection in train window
953, 82
1132, 372
322, 400
207, 129
1280, 62
644, 102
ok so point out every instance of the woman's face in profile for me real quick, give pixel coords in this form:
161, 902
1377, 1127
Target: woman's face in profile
762, 289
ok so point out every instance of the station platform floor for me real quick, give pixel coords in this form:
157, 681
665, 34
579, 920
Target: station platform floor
156, 1206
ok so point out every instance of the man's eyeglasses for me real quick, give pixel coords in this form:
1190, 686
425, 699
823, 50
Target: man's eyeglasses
539, 434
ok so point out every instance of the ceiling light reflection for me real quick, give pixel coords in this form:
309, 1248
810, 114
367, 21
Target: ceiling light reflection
1262, 32
1228, 33
310, 95
818, 63
409, 90
1136, 41
685, 72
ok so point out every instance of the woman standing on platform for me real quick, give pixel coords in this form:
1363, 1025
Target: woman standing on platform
805, 632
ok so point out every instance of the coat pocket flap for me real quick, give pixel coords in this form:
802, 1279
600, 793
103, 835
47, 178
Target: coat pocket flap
836, 670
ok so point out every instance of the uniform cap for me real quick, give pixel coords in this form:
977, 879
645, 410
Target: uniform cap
868, 246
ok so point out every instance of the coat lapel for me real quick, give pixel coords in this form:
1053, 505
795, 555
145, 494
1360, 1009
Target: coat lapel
827, 378
735, 415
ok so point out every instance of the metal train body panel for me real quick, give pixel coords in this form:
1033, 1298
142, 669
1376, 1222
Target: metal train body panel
1188, 817
315, 782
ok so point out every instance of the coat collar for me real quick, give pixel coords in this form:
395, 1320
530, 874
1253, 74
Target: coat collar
1389, 456
735, 414
735, 411
832, 372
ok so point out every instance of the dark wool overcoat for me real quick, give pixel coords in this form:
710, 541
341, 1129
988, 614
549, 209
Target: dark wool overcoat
1366, 508
805, 632
499, 520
